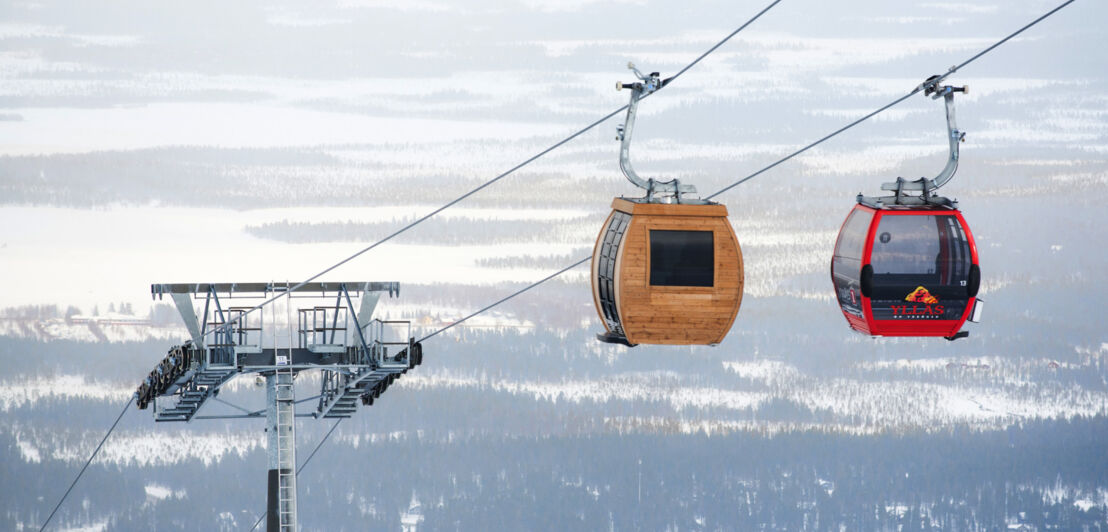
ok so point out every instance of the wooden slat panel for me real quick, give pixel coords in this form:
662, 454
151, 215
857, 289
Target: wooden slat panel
680, 310
680, 336
706, 331
702, 325
677, 315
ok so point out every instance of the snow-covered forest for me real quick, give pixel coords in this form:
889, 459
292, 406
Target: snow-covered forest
261, 141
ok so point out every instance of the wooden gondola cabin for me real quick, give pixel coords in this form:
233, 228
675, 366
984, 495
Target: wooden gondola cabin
667, 273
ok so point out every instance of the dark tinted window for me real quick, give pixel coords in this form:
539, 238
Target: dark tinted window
847, 263
682, 258
852, 238
905, 245
921, 250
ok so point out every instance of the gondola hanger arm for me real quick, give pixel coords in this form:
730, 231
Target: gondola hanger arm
927, 187
647, 85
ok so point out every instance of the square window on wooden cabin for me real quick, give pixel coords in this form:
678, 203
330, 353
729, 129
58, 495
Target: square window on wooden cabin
682, 258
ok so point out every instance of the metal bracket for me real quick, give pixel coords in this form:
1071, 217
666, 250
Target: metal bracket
184, 307
357, 324
647, 85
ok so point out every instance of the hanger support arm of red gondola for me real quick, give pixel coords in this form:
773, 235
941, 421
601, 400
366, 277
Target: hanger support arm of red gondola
955, 137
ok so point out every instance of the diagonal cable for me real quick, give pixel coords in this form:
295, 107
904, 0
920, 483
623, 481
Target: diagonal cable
814, 144
90, 458
1009, 37
721, 42
514, 294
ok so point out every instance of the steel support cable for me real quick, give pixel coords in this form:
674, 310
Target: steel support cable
721, 42
814, 144
305, 463
89, 461
512, 295
782, 160
236, 319
1009, 37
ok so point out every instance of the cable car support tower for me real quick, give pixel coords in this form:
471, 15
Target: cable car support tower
358, 358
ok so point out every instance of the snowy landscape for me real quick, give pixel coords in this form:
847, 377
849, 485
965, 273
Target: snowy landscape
264, 141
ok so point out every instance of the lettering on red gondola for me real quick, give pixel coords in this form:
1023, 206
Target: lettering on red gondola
922, 312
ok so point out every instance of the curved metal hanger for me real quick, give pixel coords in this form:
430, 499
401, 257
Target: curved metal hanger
656, 191
927, 187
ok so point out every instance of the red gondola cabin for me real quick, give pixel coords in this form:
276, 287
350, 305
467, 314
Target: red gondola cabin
906, 271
